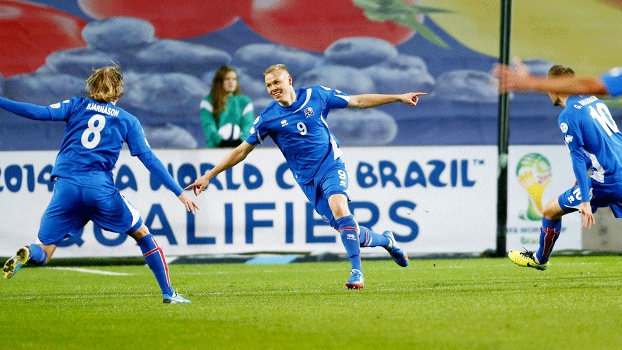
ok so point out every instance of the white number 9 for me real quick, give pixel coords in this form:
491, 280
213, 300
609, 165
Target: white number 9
302, 127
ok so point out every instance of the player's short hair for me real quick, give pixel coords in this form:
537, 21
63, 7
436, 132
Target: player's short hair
559, 70
105, 84
272, 68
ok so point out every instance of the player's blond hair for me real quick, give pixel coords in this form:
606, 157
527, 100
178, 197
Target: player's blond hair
105, 84
272, 68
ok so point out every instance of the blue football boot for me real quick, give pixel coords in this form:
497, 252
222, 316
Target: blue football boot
174, 299
398, 255
356, 280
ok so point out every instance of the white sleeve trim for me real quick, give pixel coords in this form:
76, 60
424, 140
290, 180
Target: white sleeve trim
249, 108
206, 105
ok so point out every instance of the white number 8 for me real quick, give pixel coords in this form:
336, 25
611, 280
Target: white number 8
95, 130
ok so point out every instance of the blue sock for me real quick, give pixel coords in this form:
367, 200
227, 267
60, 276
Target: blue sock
154, 256
549, 232
37, 254
348, 228
370, 238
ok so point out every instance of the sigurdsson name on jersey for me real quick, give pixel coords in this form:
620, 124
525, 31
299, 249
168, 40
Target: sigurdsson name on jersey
103, 109
588, 100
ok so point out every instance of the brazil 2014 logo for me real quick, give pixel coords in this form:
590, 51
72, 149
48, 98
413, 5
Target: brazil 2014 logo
534, 174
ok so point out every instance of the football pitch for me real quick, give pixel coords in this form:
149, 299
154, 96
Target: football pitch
482, 303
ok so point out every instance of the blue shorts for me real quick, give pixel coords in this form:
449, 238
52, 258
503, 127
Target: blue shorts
72, 206
330, 180
603, 195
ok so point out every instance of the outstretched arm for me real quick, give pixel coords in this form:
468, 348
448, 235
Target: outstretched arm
155, 166
373, 100
518, 78
237, 155
27, 110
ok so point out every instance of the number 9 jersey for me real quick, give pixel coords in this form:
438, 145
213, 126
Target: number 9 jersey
94, 136
300, 130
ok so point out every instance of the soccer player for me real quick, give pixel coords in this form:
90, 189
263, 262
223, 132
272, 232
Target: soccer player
518, 78
595, 142
82, 175
296, 121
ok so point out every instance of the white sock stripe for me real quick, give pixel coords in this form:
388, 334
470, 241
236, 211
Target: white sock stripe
168, 279
162, 258
98, 272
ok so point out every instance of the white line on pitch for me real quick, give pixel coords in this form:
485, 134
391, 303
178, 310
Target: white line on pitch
99, 272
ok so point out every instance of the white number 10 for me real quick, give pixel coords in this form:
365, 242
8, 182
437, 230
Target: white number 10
602, 115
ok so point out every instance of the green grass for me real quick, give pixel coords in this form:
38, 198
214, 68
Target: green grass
432, 304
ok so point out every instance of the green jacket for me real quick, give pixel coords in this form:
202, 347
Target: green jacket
234, 122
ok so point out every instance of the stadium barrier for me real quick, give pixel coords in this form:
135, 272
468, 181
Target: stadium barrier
435, 199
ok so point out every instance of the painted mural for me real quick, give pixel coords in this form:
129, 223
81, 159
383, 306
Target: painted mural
170, 50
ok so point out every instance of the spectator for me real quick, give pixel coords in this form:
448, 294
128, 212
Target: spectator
226, 114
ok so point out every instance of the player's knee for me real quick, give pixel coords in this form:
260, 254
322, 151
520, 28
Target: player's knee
338, 204
141, 232
552, 211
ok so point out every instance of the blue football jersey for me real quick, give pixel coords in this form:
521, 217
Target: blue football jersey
613, 81
586, 122
94, 136
300, 130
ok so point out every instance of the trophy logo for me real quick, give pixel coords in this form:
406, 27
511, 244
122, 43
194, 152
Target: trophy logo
534, 174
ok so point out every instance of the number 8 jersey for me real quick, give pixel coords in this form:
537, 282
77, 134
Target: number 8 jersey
94, 136
300, 130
